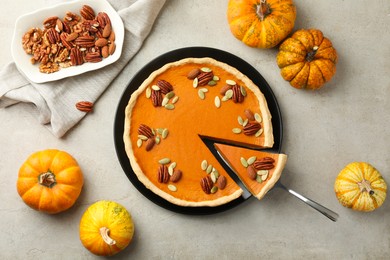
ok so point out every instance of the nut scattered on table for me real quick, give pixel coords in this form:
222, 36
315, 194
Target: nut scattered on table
70, 41
84, 106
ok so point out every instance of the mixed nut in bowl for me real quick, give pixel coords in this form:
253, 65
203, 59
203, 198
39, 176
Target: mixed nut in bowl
67, 39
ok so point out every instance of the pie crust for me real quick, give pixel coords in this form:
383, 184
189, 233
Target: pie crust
232, 155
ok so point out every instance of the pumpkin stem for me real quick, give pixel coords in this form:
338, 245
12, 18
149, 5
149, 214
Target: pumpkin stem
47, 179
262, 9
365, 185
310, 55
105, 233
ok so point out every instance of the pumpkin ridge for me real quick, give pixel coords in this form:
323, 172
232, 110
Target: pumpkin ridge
345, 178
307, 78
274, 30
345, 191
355, 199
300, 52
298, 34
36, 172
314, 37
53, 160
58, 174
319, 69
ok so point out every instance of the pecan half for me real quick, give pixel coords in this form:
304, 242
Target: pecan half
76, 57
53, 36
87, 12
266, 163
85, 41
103, 19
207, 184
156, 98
162, 174
65, 43
145, 130
50, 22
93, 57
237, 95
204, 78
71, 18
84, 106
165, 86
251, 128
91, 26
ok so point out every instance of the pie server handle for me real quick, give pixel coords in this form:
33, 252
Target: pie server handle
325, 211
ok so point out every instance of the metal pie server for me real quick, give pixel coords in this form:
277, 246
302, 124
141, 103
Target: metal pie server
325, 211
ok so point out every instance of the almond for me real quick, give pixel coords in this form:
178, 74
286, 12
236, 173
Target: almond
251, 172
176, 176
111, 48
193, 73
105, 52
107, 31
224, 89
150, 143
249, 114
221, 182
101, 42
72, 37
111, 38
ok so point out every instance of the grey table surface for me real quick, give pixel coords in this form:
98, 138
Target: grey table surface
347, 120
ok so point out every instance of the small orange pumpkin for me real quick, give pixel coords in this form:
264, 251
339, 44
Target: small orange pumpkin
361, 187
261, 23
106, 228
50, 181
307, 59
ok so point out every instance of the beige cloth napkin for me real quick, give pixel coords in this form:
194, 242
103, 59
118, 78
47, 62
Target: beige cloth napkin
55, 101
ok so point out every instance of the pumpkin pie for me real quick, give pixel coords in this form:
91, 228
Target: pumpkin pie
169, 114
258, 170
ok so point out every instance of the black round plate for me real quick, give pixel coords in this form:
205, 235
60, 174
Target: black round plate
155, 64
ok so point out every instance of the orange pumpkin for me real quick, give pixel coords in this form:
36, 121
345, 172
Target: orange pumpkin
106, 228
361, 187
50, 181
307, 59
261, 23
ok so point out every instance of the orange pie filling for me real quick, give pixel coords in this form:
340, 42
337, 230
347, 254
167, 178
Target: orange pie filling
169, 112
259, 171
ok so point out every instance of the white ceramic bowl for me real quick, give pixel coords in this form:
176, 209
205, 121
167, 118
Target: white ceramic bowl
35, 19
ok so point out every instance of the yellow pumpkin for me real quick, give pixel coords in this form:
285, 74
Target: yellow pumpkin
307, 59
106, 228
361, 187
261, 23
50, 181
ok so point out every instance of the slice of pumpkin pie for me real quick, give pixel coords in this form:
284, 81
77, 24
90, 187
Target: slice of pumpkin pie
258, 170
